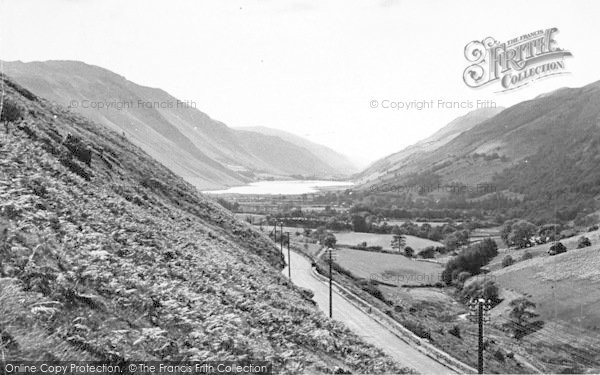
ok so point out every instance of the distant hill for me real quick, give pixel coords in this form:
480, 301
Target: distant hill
545, 149
394, 163
204, 151
107, 255
337, 161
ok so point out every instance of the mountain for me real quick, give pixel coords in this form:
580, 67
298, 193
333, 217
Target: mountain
394, 162
202, 150
545, 149
337, 161
105, 254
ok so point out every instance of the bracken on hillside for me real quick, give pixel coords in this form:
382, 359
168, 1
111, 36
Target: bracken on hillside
105, 254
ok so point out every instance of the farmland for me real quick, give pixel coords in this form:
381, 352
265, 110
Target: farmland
383, 240
390, 268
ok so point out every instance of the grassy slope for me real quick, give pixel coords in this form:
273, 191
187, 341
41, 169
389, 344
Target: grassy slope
566, 290
134, 264
390, 268
383, 240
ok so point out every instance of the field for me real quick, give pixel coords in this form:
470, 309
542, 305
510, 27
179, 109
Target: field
432, 223
566, 291
389, 268
483, 233
383, 240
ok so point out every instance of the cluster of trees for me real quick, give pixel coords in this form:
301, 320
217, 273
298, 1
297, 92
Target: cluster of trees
425, 230
470, 260
486, 289
518, 233
429, 251
457, 239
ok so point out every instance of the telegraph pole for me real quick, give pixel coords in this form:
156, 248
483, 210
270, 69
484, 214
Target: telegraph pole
480, 351
480, 311
281, 237
330, 284
289, 257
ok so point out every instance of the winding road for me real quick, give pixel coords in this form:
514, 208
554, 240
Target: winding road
360, 322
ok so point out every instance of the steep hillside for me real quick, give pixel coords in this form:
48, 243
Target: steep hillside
545, 149
202, 150
394, 163
105, 254
340, 163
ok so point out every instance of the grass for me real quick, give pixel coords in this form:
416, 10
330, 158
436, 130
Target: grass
383, 240
566, 290
390, 268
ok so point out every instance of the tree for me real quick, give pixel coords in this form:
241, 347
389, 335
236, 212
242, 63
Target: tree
583, 242
359, 224
329, 241
409, 252
398, 242
457, 239
557, 248
521, 316
521, 233
427, 253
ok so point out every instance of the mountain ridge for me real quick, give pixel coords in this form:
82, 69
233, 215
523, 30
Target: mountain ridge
544, 149
203, 150
340, 162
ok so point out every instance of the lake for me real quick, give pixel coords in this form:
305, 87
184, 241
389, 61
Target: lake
290, 187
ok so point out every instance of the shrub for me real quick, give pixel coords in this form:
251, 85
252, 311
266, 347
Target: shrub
463, 276
470, 260
526, 255
427, 253
507, 261
485, 289
583, 242
557, 248
11, 112
418, 329
409, 252
78, 149
374, 291
499, 355
455, 331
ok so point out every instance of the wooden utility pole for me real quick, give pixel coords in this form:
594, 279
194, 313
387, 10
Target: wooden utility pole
281, 235
289, 257
479, 312
330, 285
480, 351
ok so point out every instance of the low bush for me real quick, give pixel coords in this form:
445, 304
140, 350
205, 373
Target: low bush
78, 149
427, 253
526, 255
455, 331
418, 329
583, 242
507, 261
557, 248
11, 112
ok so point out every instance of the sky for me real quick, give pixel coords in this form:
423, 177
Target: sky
315, 68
